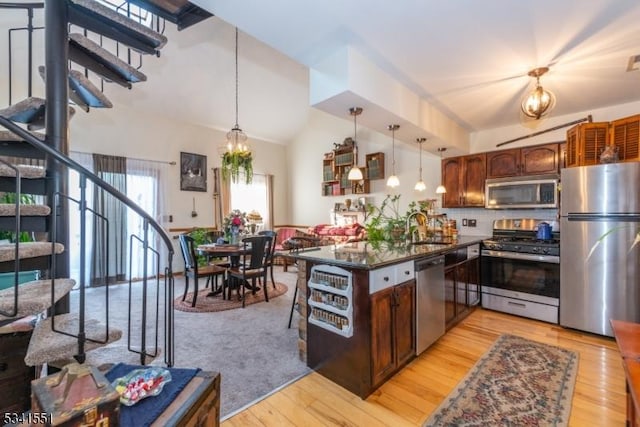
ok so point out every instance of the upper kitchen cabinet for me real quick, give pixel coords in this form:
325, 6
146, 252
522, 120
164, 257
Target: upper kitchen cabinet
464, 177
535, 160
625, 136
585, 143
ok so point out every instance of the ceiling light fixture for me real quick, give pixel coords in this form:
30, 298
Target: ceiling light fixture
393, 180
441, 189
539, 101
236, 138
355, 174
420, 185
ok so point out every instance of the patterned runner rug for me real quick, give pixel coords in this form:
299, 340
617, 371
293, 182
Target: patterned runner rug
216, 303
518, 382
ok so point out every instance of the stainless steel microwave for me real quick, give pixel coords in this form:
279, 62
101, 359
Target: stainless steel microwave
527, 192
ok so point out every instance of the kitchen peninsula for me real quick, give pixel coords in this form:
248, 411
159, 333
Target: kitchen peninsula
359, 305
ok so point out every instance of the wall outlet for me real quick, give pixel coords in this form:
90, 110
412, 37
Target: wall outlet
464, 222
472, 222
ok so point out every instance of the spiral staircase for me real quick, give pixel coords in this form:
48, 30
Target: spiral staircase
80, 36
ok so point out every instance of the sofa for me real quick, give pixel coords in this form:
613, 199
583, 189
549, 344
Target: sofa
333, 234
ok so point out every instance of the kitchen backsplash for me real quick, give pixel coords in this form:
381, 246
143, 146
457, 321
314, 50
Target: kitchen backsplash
485, 217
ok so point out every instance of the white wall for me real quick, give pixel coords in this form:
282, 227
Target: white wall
305, 154
125, 132
487, 140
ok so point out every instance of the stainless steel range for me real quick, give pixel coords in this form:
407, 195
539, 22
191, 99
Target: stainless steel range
520, 274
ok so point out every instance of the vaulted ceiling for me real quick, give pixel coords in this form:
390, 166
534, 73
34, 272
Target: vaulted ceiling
468, 59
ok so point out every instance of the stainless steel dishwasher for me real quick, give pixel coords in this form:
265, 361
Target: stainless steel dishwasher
430, 304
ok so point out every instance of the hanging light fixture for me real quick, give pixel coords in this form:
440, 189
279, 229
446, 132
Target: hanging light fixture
393, 180
236, 138
420, 185
539, 101
441, 189
355, 174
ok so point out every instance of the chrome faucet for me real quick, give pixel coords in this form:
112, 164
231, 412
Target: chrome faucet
407, 229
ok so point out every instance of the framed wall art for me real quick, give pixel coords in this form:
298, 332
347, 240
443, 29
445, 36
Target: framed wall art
193, 172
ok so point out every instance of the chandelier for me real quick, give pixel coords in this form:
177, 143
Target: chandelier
393, 180
355, 174
441, 188
236, 138
539, 101
420, 185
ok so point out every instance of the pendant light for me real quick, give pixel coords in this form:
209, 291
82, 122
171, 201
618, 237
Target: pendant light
441, 189
355, 174
236, 138
539, 101
420, 185
393, 180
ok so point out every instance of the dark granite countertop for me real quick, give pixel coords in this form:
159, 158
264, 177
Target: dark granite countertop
364, 255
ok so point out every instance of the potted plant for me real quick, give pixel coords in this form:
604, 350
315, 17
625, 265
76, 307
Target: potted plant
236, 161
386, 222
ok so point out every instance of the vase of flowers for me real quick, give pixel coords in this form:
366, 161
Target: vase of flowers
234, 224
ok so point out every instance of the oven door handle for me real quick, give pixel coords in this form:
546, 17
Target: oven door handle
553, 259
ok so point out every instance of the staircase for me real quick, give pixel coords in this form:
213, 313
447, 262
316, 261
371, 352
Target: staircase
66, 331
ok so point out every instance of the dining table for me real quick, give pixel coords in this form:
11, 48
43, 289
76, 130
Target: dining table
221, 250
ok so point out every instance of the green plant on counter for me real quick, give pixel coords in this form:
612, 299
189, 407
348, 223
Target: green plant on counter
386, 223
25, 199
235, 161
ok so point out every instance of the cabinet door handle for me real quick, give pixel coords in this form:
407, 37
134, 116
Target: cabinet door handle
385, 278
407, 272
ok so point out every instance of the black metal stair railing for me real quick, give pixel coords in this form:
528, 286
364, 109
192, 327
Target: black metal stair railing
148, 250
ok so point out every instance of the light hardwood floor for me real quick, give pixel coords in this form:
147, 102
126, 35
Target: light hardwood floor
410, 396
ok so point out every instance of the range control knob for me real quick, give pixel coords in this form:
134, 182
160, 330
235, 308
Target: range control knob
545, 250
535, 249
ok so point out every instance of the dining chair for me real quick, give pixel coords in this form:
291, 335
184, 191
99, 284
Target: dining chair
274, 237
253, 266
193, 270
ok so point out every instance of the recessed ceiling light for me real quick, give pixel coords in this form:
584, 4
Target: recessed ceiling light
634, 63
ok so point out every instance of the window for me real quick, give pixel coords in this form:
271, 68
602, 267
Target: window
252, 197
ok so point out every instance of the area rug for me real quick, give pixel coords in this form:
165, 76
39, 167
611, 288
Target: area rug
518, 382
206, 304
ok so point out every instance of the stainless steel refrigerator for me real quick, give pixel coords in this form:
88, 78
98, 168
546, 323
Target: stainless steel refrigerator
599, 276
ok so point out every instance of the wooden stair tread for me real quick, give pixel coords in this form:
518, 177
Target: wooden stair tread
182, 13
9, 209
101, 19
82, 91
30, 111
87, 53
7, 136
28, 250
26, 171
47, 345
33, 297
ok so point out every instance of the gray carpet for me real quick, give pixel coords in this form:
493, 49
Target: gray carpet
251, 347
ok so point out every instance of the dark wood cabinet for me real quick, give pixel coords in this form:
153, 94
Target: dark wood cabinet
625, 136
392, 329
535, 160
464, 177
367, 337
585, 143
462, 289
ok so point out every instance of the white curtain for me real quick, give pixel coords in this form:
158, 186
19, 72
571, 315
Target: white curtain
253, 197
147, 186
86, 160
